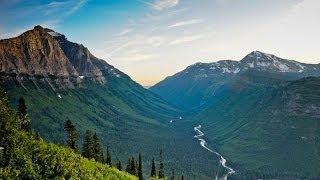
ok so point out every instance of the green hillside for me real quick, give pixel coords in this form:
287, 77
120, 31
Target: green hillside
24, 156
267, 130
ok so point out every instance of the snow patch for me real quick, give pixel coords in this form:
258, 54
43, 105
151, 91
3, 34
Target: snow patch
283, 68
226, 70
55, 34
251, 65
236, 71
300, 66
81, 77
263, 64
59, 96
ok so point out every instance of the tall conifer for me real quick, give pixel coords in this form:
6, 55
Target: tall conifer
88, 145
97, 150
25, 122
161, 165
70, 128
153, 169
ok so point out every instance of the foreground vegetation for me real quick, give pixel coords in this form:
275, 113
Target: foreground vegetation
24, 155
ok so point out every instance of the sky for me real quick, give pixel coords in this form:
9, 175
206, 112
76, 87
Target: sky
152, 39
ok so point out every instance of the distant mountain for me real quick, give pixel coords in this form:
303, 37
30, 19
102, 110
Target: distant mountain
194, 86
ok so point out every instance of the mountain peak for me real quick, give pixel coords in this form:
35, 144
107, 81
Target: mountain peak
259, 54
38, 27
34, 53
45, 52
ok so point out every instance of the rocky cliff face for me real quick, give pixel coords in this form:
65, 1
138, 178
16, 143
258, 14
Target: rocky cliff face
35, 52
79, 56
44, 53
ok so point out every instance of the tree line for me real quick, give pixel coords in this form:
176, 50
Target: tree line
92, 149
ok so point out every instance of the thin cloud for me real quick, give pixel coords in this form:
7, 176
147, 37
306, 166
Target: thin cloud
119, 48
136, 57
161, 4
147, 3
125, 32
54, 6
186, 23
186, 39
79, 5
165, 4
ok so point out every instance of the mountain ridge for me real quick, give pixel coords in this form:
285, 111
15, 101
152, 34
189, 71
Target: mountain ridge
190, 87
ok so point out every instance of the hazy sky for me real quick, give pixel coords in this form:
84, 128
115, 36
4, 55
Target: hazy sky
151, 39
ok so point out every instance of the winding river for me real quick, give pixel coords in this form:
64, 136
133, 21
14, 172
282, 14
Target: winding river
222, 160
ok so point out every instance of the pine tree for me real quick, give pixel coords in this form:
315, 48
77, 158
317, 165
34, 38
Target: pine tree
118, 165
182, 177
96, 148
140, 174
153, 169
25, 122
133, 169
161, 166
88, 145
103, 160
70, 128
108, 158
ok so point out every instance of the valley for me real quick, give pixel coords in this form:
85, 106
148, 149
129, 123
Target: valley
260, 115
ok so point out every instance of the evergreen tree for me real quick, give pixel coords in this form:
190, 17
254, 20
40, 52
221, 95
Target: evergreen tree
161, 166
153, 169
97, 150
140, 173
108, 158
103, 160
71, 130
25, 122
182, 177
118, 165
128, 166
88, 145
133, 169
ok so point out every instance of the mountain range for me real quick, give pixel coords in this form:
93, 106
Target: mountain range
192, 87
261, 113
